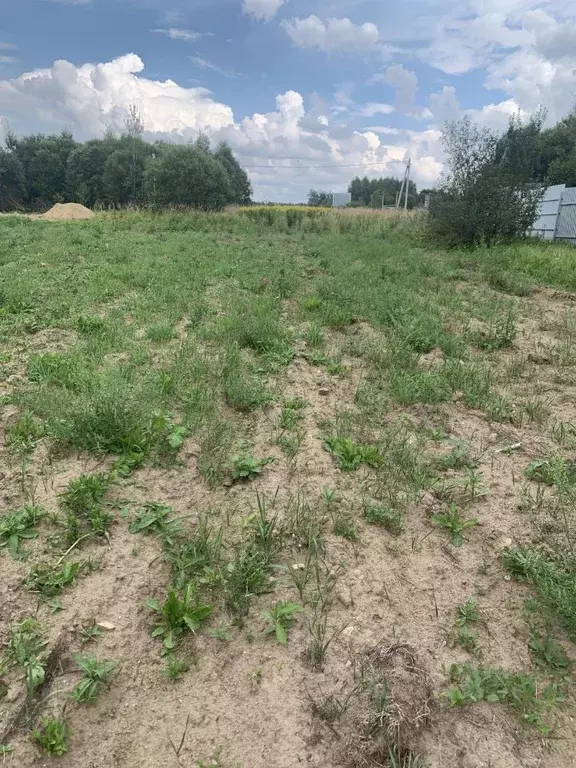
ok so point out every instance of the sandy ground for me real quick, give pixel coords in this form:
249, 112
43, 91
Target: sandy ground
247, 702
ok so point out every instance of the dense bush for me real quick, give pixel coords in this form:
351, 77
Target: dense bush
487, 195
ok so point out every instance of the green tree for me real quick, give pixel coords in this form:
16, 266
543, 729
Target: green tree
12, 182
44, 160
240, 187
319, 198
134, 129
85, 173
187, 176
486, 196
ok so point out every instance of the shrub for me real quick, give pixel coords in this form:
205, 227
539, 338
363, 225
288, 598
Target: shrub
486, 196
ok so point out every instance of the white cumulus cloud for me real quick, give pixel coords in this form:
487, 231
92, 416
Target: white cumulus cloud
91, 97
334, 35
263, 10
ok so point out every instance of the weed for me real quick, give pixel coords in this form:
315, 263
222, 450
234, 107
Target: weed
314, 336
221, 633
553, 471
500, 333
291, 413
473, 484
467, 613
390, 519
26, 647
344, 526
154, 518
247, 467
520, 691
175, 615
49, 579
453, 522
564, 433
175, 668
466, 639
536, 410
458, 458
19, 526
82, 501
290, 443
23, 436
193, 556
329, 495
247, 573
95, 675
548, 652
280, 618
89, 633
552, 579
350, 455
52, 735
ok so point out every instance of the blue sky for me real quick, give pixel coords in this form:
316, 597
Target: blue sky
308, 93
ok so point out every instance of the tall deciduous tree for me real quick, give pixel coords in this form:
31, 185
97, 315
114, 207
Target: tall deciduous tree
240, 187
12, 182
188, 176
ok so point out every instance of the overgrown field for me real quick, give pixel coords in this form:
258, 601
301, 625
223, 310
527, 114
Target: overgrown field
281, 488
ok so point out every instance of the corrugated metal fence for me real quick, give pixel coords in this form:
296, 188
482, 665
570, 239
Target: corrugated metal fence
557, 215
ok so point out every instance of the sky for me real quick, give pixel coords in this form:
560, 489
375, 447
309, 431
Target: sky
309, 93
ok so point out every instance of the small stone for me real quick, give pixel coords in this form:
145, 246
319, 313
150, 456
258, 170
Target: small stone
507, 542
228, 483
348, 631
344, 596
107, 625
324, 391
492, 437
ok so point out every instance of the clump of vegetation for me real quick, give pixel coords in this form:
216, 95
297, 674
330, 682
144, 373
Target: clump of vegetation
52, 735
246, 467
453, 522
344, 526
351, 455
178, 614
552, 579
485, 197
20, 526
280, 618
49, 579
27, 648
96, 675
390, 519
521, 691
83, 504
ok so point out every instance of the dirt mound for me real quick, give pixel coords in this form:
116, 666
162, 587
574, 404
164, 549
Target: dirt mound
67, 212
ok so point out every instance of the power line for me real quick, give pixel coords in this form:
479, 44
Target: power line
313, 167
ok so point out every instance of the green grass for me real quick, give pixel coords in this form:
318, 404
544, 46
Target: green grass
193, 343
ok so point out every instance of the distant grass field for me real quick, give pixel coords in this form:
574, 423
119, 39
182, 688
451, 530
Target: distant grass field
290, 401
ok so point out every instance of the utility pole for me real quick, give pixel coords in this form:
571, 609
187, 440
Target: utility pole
407, 183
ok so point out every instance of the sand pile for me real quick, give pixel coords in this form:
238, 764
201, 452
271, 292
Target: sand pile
67, 212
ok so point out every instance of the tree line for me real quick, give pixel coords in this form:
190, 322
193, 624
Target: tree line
39, 170
370, 193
